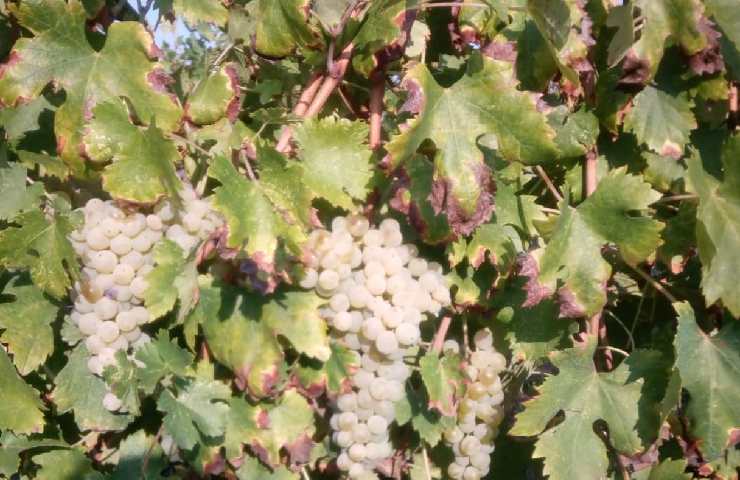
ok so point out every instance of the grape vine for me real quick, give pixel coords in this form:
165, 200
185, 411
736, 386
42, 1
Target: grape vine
369, 239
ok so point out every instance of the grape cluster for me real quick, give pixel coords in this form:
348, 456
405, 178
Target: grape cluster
378, 292
480, 411
115, 248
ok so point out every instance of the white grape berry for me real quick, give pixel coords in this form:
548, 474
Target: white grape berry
114, 246
375, 304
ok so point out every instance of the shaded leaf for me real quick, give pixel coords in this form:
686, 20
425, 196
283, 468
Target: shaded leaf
27, 325
174, 279
709, 368
70, 464
20, 410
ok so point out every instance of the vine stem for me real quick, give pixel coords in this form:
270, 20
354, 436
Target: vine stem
426, 462
678, 198
550, 186
333, 78
439, 337
377, 90
589, 174
300, 109
654, 283
148, 454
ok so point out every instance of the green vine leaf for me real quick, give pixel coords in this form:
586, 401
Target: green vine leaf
442, 377
585, 396
335, 158
718, 226
708, 366
280, 26
27, 325
69, 464
122, 68
296, 317
79, 391
17, 197
200, 408
18, 397
572, 264
665, 470
661, 121
39, 243
202, 12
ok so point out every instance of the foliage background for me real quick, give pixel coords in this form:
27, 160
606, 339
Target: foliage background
574, 164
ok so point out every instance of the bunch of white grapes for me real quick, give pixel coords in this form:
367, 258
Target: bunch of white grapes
115, 248
480, 411
378, 293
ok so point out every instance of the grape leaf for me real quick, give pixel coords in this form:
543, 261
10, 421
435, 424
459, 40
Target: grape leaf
665, 470
727, 18
289, 425
565, 26
518, 210
69, 464
296, 317
20, 410
535, 64
718, 226
215, 97
661, 121
159, 359
382, 25
412, 198
252, 468
143, 167
48, 166
24, 118
497, 242
249, 210
329, 12
573, 258
280, 26
139, 456
484, 101
11, 446
27, 323
78, 390
332, 375
39, 243
122, 381
584, 396
709, 367
678, 20
335, 158
237, 339
428, 423
200, 407
174, 279
241, 427
122, 67
202, 11
442, 378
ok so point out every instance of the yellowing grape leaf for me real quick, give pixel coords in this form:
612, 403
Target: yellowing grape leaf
143, 160
201, 11
335, 159
215, 97
484, 101
238, 340
572, 264
718, 226
259, 213
267, 429
174, 279
59, 52
709, 368
295, 316
280, 26
27, 325
21, 407
38, 242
